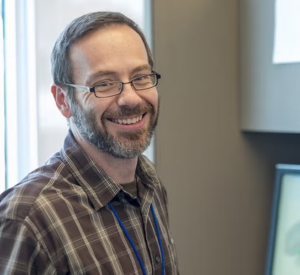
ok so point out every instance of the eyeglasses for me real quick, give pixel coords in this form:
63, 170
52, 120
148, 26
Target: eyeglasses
112, 88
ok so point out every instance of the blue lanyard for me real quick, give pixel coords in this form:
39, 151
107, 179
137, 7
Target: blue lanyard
132, 244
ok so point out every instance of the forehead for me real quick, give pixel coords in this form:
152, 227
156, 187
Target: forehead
112, 47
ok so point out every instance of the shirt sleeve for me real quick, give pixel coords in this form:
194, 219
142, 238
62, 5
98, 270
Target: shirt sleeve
20, 252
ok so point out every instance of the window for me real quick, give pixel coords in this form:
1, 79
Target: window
35, 129
2, 111
20, 92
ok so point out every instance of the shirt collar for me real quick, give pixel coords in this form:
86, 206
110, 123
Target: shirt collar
98, 186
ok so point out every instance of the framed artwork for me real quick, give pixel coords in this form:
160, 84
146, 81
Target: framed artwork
283, 256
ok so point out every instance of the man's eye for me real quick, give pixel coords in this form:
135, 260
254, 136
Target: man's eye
142, 78
105, 84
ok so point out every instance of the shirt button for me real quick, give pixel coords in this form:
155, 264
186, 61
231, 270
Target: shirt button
157, 259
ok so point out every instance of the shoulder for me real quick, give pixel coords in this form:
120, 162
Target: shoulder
18, 202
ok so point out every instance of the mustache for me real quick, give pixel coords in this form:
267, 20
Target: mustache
127, 111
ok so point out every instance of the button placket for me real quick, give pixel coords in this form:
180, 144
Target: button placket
157, 259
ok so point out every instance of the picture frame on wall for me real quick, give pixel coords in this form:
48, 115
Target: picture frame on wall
283, 254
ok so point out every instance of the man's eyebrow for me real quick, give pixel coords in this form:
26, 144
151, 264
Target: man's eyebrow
113, 73
140, 68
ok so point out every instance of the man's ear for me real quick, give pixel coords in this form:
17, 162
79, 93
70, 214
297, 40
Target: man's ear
61, 100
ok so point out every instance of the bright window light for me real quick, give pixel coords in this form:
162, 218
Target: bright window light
34, 128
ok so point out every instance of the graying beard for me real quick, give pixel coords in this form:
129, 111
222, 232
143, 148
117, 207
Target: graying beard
87, 126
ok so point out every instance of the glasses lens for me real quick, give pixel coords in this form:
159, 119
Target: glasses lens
145, 82
107, 89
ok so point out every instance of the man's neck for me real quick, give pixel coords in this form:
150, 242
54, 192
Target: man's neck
120, 170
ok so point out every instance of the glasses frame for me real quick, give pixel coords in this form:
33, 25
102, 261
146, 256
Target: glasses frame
121, 84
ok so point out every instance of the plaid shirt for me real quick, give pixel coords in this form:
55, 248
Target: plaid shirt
57, 220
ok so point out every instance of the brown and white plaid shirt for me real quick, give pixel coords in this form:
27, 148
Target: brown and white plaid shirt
57, 220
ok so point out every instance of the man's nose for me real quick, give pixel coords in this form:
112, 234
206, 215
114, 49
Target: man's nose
128, 96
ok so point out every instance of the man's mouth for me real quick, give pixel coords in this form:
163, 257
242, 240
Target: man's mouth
127, 121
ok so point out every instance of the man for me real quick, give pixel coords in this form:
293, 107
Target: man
97, 206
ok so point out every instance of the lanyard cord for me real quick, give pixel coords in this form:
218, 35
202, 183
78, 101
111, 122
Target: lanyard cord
132, 244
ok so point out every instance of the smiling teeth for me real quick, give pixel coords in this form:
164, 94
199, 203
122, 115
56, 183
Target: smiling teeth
128, 121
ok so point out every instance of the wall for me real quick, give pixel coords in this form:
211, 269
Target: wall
269, 92
219, 179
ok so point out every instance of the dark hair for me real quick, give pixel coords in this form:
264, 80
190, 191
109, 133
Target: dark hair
60, 64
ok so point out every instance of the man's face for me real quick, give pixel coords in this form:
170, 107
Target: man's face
121, 125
